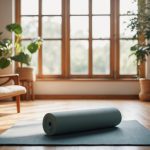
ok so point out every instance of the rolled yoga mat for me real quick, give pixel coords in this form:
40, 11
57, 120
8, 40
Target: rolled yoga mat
80, 120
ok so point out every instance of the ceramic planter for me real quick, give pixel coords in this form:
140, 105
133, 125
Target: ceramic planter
26, 73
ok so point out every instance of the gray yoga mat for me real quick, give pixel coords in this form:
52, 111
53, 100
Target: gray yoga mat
127, 133
80, 120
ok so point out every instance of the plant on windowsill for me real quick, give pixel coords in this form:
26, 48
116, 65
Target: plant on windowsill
22, 55
141, 26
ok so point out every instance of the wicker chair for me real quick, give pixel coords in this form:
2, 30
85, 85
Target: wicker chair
14, 91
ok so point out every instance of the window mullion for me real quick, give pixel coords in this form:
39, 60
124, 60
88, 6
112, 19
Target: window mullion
116, 39
113, 39
63, 39
90, 39
67, 38
40, 72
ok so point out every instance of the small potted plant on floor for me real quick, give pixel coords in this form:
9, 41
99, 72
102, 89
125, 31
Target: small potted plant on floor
141, 25
23, 54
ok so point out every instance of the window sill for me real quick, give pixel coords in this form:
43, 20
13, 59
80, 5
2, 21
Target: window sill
88, 79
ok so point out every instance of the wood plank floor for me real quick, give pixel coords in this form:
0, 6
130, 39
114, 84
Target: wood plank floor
30, 110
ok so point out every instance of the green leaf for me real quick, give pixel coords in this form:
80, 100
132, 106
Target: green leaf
32, 47
133, 48
5, 44
16, 28
4, 63
22, 58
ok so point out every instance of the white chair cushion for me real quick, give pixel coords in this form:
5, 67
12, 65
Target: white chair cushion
12, 90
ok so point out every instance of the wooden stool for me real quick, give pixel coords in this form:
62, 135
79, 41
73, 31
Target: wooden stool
27, 78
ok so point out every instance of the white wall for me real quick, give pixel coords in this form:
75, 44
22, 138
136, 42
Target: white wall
6, 17
86, 88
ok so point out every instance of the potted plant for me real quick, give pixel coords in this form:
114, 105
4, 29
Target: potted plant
141, 25
22, 55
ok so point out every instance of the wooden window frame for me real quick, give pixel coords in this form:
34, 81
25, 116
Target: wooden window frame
114, 43
118, 75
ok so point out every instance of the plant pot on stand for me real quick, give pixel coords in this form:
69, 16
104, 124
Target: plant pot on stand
13, 50
27, 77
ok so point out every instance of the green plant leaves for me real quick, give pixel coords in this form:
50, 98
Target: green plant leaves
140, 51
16, 28
5, 48
22, 58
4, 62
5, 43
33, 47
133, 48
21, 54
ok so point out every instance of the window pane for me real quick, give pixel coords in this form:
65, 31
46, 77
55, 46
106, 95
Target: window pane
79, 6
29, 7
34, 61
51, 7
128, 5
127, 64
30, 27
52, 57
101, 57
51, 27
101, 6
101, 27
79, 57
124, 31
79, 27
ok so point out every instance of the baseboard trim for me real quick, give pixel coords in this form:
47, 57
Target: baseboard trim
98, 97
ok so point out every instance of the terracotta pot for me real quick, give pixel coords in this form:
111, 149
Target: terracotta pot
144, 94
26, 73
141, 70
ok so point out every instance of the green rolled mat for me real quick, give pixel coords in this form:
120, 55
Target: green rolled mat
80, 120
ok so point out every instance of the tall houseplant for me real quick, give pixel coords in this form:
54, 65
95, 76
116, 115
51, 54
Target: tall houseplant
141, 25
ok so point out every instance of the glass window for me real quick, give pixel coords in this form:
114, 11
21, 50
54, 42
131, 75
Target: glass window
127, 63
101, 57
101, 27
128, 6
29, 7
79, 57
79, 7
79, 27
52, 27
80, 36
101, 6
124, 31
51, 57
51, 7
30, 27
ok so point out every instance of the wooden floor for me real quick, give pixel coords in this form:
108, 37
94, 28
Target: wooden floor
31, 110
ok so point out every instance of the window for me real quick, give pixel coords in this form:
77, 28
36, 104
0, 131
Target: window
128, 68
82, 38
